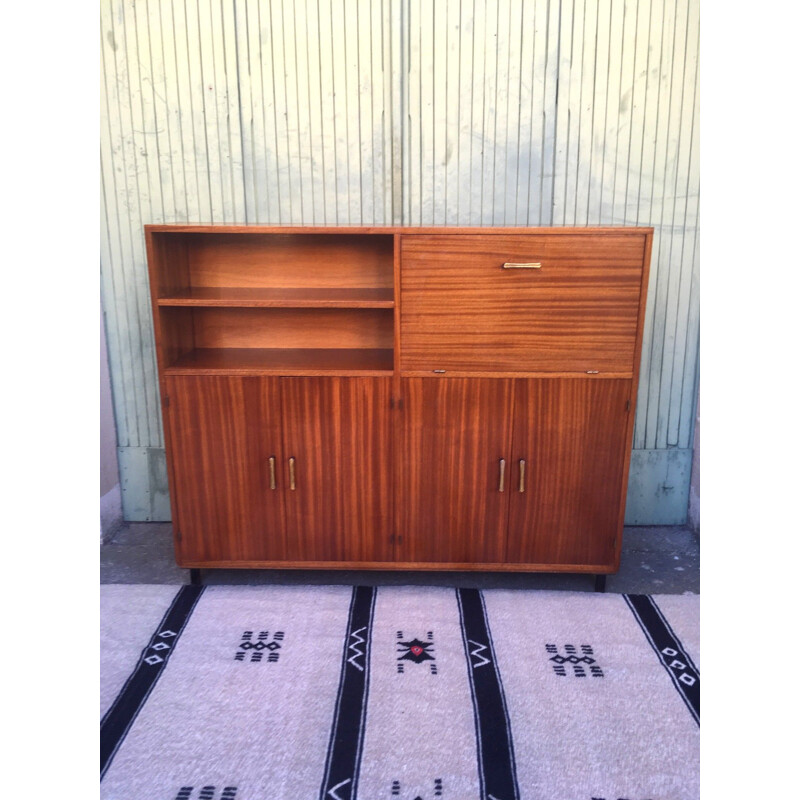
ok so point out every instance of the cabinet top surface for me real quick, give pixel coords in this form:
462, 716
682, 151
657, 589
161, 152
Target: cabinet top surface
442, 229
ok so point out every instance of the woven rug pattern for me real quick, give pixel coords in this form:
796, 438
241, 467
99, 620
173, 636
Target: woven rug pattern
397, 693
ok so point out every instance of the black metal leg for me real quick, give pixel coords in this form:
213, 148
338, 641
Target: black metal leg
195, 578
599, 583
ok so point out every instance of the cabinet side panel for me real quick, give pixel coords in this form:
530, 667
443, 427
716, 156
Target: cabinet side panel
571, 433
455, 431
222, 432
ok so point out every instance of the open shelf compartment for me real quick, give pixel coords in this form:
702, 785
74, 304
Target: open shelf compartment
200, 339
274, 303
322, 270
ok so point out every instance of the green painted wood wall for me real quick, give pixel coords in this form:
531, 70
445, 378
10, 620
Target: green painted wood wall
415, 112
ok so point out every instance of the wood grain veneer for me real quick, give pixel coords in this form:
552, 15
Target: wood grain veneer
397, 366
463, 311
265, 361
339, 432
571, 434
289, 259
222, 432
454, 433
301, 229
291, 328
421, 566
280, 297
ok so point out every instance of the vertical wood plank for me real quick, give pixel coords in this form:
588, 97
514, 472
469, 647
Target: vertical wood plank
452, 128
125, 213
661, 212
587, 25
229, 110
568, 113
251, 109
645, 191
427, 49
477, 104
297, 80
529, 101
489, 121
626, 110
207, 89
331, 194
352, 96
114, 309
165, 137
546, 60
507, 132
396, 34
680, 403
601, 89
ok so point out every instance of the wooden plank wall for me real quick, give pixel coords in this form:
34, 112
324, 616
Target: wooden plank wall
445, 112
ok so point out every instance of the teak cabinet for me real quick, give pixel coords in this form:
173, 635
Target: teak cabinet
426, 398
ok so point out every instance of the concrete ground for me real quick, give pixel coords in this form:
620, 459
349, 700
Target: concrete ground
657, 560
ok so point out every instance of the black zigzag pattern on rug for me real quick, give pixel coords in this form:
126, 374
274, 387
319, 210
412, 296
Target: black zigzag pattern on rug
496, 765
673, 656
343, 761
123, 711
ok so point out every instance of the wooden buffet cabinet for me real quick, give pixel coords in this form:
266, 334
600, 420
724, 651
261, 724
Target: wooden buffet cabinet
398, 398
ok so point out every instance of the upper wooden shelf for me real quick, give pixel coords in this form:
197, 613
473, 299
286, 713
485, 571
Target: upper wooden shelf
280, 297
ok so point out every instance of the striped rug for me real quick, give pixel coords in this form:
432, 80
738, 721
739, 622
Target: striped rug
397, 693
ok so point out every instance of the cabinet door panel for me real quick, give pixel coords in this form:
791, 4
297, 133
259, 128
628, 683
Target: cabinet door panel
223, 431
338, 430
454, 433
572, 435
577, 311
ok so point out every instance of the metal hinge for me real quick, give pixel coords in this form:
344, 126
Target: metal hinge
166, 401
627, 405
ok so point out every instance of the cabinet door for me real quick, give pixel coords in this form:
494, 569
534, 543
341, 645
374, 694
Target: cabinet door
223, 431
577, 310
572, 435
454, 431
338, 431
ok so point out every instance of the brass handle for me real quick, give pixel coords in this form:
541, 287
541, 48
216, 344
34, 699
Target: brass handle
522, 475
527, 265
272, 472
502, 486
291, 474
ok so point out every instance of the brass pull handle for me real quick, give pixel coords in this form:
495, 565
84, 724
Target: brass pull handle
522, 475
502, 486
272, 472
291, 474
527, 265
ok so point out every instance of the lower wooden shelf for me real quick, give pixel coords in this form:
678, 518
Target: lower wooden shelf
265, 361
